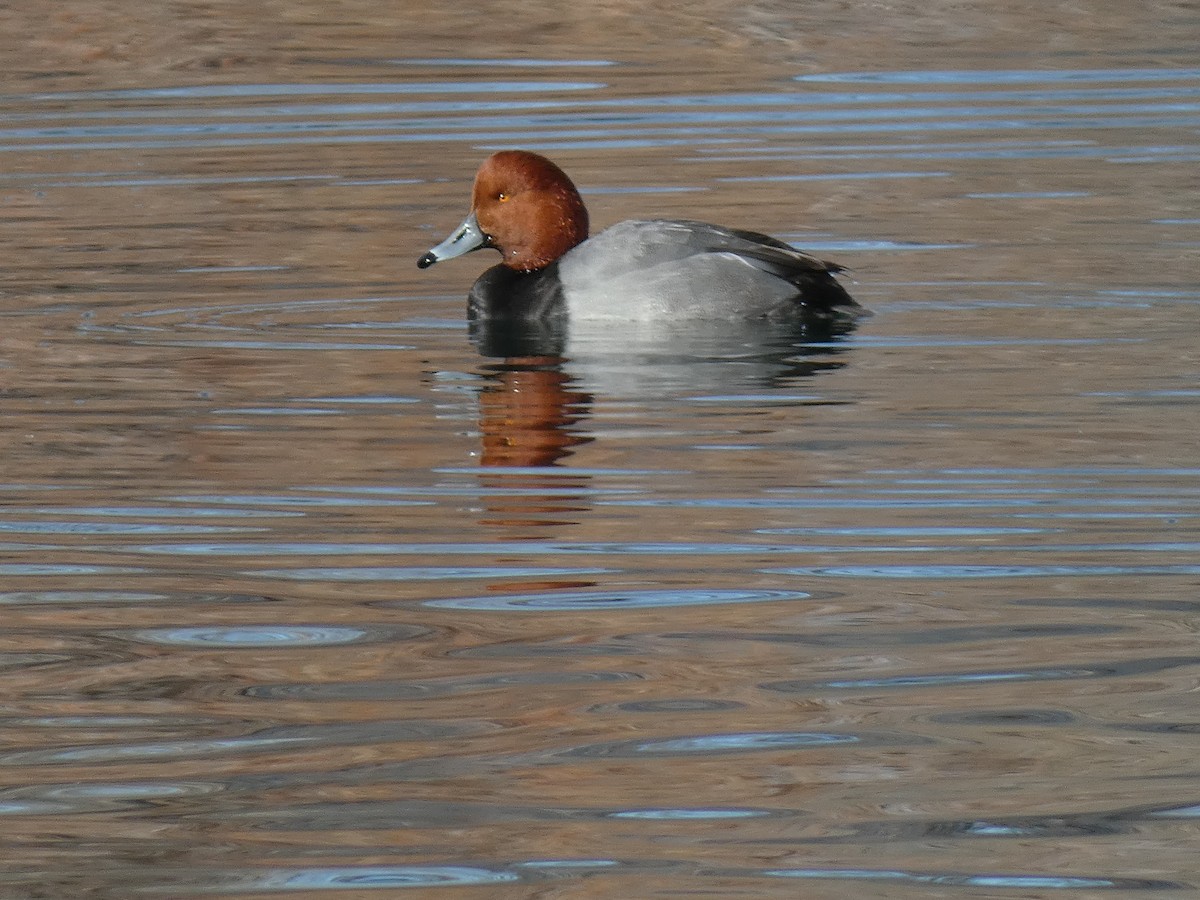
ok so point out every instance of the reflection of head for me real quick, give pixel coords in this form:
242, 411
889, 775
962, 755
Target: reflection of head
526, 412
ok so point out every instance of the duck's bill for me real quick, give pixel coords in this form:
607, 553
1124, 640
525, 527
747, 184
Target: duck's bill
465, 238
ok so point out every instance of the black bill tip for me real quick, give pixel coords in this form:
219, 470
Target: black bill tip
426, 261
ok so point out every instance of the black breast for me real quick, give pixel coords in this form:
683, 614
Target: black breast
502, 293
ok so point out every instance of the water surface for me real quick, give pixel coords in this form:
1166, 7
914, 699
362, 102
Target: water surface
307, 587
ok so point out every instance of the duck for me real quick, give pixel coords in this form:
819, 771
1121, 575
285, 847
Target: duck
527, 208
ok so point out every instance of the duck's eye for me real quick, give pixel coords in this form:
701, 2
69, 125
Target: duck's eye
502, 196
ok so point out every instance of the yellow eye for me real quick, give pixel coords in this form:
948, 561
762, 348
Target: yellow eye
502, 196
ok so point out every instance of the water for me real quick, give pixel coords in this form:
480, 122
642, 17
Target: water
307, 587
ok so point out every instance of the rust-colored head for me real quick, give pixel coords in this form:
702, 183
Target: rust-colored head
528, 209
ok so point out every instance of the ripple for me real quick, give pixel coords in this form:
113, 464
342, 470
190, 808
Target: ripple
51, 570
264, 636
756, 399
392, 690
148, 752
250, 179
837, 176
93, 723
1028, 195
523, 548
1177, 812
1003, 76
574, 601
1006, 717
966, 572
286, 500
323, 89
762, 740
355, 878
112, 528
561, 864
1000, 829
275, 411
131, 790
688, 815
1026, 882
928, 500
1048, 826
35, 808
1050, 673
273, 740
500, 63
73, 598
675, 706
933, 680
10, 661
69, 799
706, 744
373, 400
572, 473
163, 512
910, 531
69, 598
232, 344
940, 341
539, 491
416, 573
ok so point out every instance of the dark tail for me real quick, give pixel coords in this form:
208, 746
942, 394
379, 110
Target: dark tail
822, 294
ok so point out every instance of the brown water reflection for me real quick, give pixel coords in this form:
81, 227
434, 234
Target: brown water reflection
308, 587
526, 413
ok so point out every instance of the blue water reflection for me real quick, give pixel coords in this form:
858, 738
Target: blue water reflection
310, 585
638, 599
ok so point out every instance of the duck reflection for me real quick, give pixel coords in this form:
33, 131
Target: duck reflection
650, 361
529, 415
533, 411
528, 412
546, 377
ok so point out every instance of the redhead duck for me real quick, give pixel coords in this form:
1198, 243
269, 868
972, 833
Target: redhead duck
526, 207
